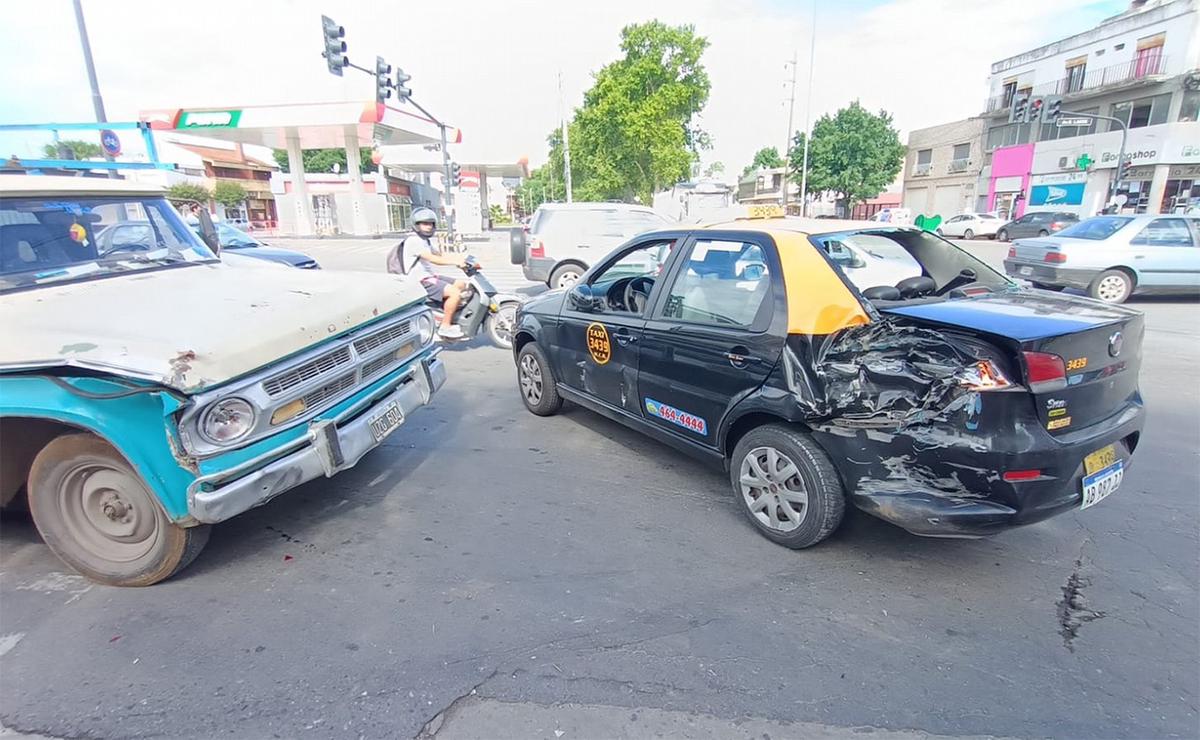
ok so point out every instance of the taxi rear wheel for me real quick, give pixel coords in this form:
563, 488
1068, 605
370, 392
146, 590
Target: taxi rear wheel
786, 486
535, 381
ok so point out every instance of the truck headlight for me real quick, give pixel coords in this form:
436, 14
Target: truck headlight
425, 328
227, 421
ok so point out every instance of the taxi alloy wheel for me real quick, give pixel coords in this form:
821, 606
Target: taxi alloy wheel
786, 485
536, 382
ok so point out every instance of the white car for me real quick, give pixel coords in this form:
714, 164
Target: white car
870, 260
971, 225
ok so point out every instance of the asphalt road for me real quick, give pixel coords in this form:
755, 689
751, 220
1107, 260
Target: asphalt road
488, 573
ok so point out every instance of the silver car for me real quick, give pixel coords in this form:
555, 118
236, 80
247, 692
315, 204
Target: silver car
565, 239
1113, 257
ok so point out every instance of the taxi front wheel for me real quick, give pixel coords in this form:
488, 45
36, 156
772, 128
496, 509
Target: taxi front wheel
786, 486
536, 381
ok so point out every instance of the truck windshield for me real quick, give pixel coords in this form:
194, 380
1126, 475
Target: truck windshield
53, 239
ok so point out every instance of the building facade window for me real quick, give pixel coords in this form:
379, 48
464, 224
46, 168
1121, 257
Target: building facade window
1149, 56
924, 162
1010, 89
1142, 112
1190, 109
1076, 70
1006, 135
960, 158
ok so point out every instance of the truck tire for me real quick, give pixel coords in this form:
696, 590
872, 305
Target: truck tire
95, 513
516, 245
786, 486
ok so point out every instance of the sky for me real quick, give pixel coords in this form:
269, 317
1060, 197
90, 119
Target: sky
493, 68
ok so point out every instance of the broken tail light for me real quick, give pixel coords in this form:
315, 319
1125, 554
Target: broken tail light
1045, 372
984, 376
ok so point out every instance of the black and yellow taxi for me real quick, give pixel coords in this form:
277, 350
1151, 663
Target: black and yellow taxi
825, 363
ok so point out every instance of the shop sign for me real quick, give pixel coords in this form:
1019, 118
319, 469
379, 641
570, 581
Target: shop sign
1184, 172
1065, 194
1058, 178
210, 119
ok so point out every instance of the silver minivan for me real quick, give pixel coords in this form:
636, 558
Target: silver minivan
565, 239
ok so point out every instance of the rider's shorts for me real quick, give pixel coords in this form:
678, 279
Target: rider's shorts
435, 286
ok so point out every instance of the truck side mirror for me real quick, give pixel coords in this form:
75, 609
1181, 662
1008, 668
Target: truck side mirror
208, 232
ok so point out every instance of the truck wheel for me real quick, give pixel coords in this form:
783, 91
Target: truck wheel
565, 276
786, 486
96, 514
500, 325
536, 381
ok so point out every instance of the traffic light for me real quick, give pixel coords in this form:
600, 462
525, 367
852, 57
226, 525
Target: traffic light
1036, 108
403, 92
1053, 109
455, 174
335, 48
1019, 112
383, 85
1123, 170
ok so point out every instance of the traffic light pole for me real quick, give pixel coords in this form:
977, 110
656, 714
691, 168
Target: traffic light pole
451, 221
1124, 140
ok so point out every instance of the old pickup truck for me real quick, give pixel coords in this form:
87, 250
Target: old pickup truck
149, 390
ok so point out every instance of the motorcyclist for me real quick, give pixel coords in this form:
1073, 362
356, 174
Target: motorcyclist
415, 257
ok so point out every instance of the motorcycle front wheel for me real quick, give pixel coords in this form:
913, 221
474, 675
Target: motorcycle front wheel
501, 324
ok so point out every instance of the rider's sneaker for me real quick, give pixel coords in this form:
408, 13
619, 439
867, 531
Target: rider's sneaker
453, 332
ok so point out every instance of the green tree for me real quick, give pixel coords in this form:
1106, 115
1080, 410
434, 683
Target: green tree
229, 194
81, 149
323, 160
764, 159
714, 169
189, 191
499, 217
854, 154
635, 132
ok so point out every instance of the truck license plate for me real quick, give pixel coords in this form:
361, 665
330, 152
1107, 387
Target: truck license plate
386, 421
1103, 472
1026, 270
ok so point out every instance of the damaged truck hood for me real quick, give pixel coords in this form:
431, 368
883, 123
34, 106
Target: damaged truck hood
194, 327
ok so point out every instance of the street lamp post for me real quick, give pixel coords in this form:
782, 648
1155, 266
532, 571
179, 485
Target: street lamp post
86, 45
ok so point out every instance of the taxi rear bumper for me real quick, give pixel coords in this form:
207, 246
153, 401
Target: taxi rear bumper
959, 490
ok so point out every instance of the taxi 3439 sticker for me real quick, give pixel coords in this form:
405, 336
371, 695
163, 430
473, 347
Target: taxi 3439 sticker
677, 417
597, 343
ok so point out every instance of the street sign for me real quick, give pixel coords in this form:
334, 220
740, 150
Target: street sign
1064, 122
110, 142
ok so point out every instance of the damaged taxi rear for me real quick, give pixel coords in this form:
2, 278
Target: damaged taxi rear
147, 393
919, 385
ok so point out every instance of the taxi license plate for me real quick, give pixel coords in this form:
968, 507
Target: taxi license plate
1026, 270
386, 421
1103, 472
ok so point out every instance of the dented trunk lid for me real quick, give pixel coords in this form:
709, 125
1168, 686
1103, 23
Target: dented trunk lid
1100, 346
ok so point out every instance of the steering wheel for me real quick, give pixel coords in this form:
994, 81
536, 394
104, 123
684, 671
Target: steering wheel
637, 294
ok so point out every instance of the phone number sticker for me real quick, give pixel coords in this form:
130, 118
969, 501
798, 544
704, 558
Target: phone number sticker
679, 418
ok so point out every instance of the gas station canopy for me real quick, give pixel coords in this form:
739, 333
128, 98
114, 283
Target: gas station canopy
315, 125
414, 159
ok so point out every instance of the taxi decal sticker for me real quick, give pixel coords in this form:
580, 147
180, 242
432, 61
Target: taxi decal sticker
597, 343
1077, 363
1059, 423
688, 421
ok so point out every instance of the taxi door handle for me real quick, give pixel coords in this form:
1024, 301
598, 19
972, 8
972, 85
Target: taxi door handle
624, 338
740, 360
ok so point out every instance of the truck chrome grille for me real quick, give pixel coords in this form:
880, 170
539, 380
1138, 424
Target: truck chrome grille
372, 342
316, 398
379, 364
328, 362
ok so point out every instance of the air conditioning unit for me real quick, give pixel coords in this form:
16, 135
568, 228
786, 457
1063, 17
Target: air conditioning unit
1191, 83
1065, 163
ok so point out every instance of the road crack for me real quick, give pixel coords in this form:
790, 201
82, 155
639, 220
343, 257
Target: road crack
1073, 611
430, 729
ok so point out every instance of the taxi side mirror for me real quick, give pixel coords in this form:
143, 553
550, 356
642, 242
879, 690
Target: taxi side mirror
582, 298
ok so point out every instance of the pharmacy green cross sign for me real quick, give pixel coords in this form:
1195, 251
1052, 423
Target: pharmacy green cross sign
1083, 161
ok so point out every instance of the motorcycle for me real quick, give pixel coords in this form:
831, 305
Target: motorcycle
483, 308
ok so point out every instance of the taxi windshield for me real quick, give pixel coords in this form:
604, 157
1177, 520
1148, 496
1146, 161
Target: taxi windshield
46, 240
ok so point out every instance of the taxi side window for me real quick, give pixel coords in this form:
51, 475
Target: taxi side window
637, 269
722, 283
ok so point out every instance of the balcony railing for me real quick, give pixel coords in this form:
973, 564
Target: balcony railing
958, 165
921, 170
1148, 68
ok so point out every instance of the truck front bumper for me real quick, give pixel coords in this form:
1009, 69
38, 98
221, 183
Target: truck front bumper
329, 447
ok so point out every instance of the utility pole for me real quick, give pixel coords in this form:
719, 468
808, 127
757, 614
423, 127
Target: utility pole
812, 53
787, 145
97, 101
566, 138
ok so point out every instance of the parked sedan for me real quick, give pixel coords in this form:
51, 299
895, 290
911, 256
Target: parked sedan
1039, 223
235, 239
971, 225
1113, 257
